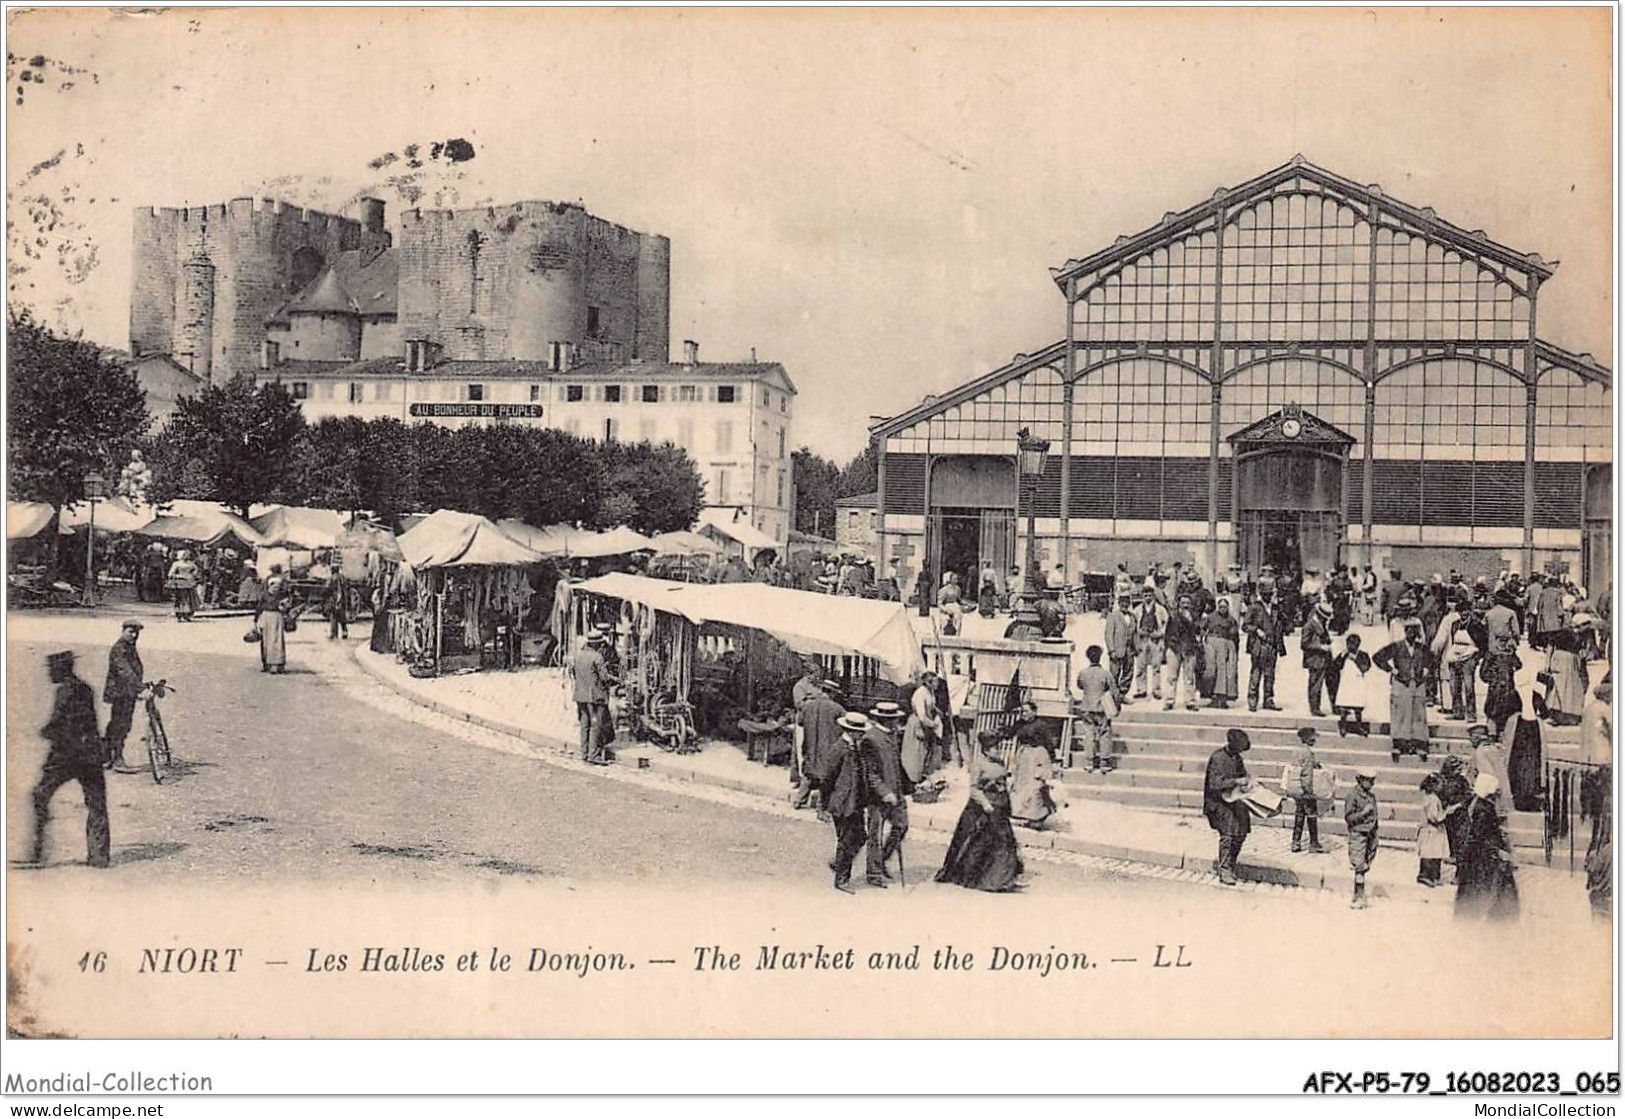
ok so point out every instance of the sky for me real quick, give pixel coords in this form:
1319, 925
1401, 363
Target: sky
873, 197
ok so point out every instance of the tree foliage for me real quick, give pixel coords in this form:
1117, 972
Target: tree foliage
242, 443
816, 478
72, 410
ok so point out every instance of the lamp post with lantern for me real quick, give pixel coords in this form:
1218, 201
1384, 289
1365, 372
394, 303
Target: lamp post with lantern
95, 489
1031, 456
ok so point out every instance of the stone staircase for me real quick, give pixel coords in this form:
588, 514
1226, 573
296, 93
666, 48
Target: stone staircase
1167, 753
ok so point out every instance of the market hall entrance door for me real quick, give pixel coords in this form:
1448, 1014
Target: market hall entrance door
1290, 492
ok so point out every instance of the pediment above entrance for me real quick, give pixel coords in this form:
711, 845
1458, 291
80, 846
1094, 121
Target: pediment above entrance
1291, 426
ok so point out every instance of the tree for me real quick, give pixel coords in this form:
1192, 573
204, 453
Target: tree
246, 442
72, 410
861, 475
653, 488
815, 479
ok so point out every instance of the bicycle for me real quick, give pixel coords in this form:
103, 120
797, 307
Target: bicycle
156, 737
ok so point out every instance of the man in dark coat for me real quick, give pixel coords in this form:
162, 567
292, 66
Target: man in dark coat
820, 716
124, 679
846, 792
889, 787
1392, 591
1051, 618
75, 755
592, 683
1226, 773
1317, 652
1265, 642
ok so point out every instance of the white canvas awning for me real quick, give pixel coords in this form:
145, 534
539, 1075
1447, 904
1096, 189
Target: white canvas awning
27, 518
447, 538
814, 624
292, 526
684, 544
583, 543
209, 527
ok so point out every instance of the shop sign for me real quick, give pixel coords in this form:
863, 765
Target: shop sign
479, 411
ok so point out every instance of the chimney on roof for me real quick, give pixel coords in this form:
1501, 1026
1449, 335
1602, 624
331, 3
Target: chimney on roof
691, 352
372, 215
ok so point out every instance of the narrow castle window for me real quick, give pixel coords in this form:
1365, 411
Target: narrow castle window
475, 242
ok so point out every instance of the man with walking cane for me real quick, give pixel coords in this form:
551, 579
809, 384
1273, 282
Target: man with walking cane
889, 787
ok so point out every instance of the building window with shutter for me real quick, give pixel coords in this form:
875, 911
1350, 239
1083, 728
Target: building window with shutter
767, 398
535, 393
722, 486
725, 394
688, 394
300, 389
612, 394
651, 394
476, 393
592, 322
781, 442
575, 394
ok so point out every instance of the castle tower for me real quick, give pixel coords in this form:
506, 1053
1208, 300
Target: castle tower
194, 334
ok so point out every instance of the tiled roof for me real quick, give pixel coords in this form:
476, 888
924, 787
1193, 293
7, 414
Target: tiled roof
859, 501
497, 370
355, 283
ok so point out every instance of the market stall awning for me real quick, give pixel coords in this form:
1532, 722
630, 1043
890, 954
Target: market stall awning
816, 624
684, 544
112, 515
292, 526
365, 536
583, 543
741, 532
26, 518
447, 538
211, 527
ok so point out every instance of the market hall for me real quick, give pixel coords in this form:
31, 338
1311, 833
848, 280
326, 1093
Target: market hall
1298, 371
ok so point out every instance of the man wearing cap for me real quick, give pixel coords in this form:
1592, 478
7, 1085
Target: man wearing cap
1409, 664
124, 679
1227, 776
1302, 790
845, 791
1360, 814
889, 787
75, 755
1316, 643
592, 684
1181, 639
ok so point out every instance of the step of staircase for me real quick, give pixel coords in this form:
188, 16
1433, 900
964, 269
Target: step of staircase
1398, 782
1267, 760
1526, 829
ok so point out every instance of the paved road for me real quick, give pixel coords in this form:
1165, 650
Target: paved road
290, 776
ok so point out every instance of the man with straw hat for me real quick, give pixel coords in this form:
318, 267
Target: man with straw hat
75, 755
889, 787
846, 795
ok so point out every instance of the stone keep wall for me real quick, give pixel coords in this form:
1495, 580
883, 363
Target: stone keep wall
506, 282
251, 245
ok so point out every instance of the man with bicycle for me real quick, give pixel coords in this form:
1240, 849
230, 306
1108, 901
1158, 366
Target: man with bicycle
125, 677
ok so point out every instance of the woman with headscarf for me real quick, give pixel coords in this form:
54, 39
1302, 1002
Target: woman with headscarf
271, 621
1485, 885
1455, 793
183, 580
1221, 634
984, 854
1490, 759
987, 595
1571, 649
1409, 665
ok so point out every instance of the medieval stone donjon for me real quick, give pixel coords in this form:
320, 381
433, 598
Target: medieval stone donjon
207, 278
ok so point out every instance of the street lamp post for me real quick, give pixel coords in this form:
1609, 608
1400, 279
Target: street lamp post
1031, 456
95, 487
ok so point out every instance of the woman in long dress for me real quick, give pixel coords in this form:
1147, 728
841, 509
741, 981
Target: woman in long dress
1221, 633
271, 621
1352, 668
1485, 886
983, 854
1570, 649
1031, 800
183, 580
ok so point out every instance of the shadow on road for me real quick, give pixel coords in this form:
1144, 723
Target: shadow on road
146, 852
